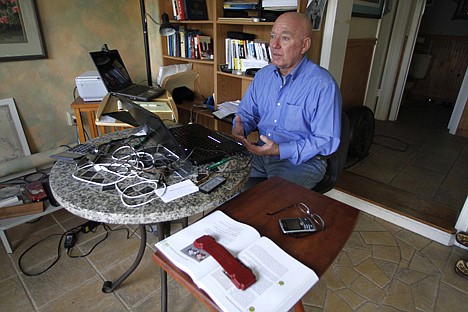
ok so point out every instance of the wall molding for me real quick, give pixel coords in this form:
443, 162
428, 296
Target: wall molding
410, 224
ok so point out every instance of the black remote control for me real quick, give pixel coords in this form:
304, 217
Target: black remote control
211, 184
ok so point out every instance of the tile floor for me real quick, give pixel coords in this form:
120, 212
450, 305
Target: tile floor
382, 268
417, 154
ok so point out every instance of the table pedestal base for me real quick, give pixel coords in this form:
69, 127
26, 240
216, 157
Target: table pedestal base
109, 286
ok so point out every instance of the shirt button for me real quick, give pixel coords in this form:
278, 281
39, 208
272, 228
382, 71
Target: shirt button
274, 120
269, 134
278, 104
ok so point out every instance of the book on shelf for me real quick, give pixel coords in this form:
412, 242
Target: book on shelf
240, 8
279, 4
181, 10
234, 19
241, 55
240, 35
205, 47
281, 280
196, 10
240, 4
182, 40
189, 10
189, 43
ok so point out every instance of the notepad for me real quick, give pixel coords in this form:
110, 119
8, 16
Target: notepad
179, 190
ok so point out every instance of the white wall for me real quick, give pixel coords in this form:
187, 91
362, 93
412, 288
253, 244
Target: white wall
335, 37
363, 28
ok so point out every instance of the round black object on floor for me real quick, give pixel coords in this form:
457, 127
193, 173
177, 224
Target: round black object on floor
362, 127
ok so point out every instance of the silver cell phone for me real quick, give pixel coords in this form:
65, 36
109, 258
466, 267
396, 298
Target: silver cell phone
297, 225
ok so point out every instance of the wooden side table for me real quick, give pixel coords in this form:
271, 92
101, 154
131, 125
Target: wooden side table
317, 251
89, 112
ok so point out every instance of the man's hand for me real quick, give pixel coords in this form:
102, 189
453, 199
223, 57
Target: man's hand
238, 130
270, 148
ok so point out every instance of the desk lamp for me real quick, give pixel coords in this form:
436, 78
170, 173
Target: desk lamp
166, 29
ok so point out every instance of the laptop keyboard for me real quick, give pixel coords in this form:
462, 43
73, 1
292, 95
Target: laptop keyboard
136, 89
199, 145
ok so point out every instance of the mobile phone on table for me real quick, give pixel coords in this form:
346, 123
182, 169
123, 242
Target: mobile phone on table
297, 225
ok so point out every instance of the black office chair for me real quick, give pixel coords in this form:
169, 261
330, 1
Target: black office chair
337, 160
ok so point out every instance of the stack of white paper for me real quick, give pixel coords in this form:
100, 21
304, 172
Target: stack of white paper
227, 108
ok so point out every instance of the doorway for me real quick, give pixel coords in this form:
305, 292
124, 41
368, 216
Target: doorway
415, 167
437, 58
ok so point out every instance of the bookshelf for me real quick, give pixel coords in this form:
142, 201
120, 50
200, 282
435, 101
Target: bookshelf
225, 86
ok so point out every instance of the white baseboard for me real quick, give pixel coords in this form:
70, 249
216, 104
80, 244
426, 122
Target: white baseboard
393, 217
462, 222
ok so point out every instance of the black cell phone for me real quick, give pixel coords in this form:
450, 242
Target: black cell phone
297, 225
211, 184
67, 156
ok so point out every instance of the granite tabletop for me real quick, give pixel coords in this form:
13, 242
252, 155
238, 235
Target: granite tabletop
98, 197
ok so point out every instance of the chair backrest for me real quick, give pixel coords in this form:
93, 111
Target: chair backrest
337, 160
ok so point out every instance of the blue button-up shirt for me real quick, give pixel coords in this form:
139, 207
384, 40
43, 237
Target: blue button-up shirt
301, 112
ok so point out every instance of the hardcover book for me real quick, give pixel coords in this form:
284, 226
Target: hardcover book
196, 10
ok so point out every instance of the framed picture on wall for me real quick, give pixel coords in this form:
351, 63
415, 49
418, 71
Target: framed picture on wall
368, 8
20, 32
462, 10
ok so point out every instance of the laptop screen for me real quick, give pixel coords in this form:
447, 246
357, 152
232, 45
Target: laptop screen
111, 69
154, 127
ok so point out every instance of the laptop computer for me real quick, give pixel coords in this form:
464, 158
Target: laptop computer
116, 78
194, 142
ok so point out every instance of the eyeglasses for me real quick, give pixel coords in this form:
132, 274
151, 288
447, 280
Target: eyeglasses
317, 219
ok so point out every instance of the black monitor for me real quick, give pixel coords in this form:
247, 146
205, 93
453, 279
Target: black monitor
112, 70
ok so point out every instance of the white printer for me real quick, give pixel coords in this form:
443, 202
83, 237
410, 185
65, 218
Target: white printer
90, 86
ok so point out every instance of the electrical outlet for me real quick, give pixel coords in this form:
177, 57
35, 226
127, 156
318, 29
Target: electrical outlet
71, 119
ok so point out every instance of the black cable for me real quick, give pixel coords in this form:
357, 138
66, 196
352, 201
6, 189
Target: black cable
108, 230
403, 149
26, 179
73, 231
34, 221
92, 248
65, 145
35, 244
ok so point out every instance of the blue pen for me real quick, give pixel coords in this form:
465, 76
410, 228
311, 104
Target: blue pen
222, 161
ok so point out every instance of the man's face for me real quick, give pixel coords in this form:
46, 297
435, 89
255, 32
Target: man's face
287, 44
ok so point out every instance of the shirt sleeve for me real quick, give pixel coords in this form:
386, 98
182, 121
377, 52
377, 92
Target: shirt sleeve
248, 110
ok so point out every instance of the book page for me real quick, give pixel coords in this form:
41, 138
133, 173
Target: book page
233, 235
281, 281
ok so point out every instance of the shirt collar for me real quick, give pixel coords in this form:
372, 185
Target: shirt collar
296, 71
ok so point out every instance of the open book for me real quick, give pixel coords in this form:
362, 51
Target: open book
281, 280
